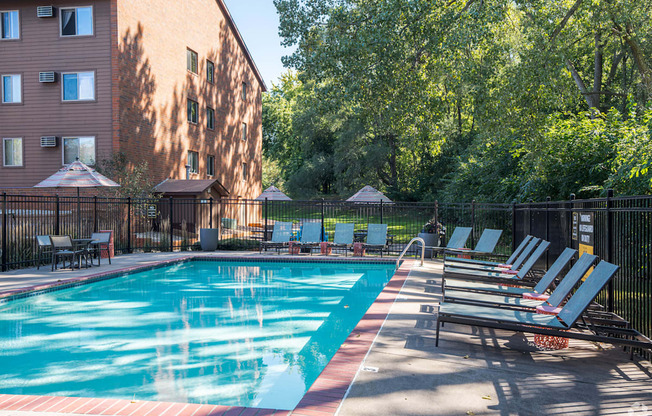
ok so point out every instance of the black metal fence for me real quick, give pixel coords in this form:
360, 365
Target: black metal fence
621, 229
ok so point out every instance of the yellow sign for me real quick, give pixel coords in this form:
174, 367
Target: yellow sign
589, 250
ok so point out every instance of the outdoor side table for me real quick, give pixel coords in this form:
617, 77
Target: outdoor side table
358, 250
547, 341
293, 248
325, 249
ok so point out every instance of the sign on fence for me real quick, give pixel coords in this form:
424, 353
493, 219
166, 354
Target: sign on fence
585, 233
151, 211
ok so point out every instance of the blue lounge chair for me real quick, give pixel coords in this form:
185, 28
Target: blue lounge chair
310, 235
552, 325
343, 238
514, 265
486, 244
546, 281
281, 235
376, 238
508, 263
457, 240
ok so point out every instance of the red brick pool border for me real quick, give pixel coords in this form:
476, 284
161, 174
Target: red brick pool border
322, 399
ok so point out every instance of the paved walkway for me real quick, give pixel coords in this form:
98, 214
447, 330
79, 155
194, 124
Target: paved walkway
473, 372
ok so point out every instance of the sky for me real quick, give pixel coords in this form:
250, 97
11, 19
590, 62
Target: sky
257, 21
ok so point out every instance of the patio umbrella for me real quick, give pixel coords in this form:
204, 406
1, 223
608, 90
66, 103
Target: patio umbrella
273, 194
369, 194
76, 175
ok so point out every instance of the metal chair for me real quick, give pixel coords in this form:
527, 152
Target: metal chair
62, 248
100, 242
44, 245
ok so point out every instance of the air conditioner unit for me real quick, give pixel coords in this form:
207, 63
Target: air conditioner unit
45, 11
49, 141
47, 76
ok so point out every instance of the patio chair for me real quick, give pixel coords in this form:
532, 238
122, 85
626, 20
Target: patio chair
376, 238
457, 240
507, 264
529, 300
310, 235
62, 248
343, 238
505, 277
44, 246
281, 235
100, 242
485, 246
513, 265
559, 325
491, 288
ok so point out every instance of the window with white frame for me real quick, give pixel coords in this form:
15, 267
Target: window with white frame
193, 111
9, 25
79, 147
12, 152
193, 161
77, 21
78, 86
191, 64
12, 89
210, 118
244, 131
210, 165
210, 72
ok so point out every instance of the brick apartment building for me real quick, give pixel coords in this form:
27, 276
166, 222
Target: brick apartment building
169, 82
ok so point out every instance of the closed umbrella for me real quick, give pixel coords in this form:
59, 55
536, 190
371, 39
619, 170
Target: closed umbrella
273, 194
76, 175
369, 194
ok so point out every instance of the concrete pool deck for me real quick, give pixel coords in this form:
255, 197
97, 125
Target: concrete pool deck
474, 371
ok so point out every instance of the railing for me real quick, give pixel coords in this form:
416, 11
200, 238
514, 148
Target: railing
407, 247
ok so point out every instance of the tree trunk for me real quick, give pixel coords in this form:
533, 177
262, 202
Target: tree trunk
598, 61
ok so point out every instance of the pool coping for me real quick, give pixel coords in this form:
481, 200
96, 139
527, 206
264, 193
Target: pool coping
322, 399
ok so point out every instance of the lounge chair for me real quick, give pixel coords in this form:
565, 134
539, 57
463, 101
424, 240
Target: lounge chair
532, 299
507, 264
546, 281
486, 244
310, 235
280, 236
62, 248
343, 237
376, 238
457, 240
552, 325
506, 277
514, 265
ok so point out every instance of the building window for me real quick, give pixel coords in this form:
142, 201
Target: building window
210, 165
244, 91
245, 172
77, 21
79, 147
210, 118
10, 28
79, 86
13, 152
11, 89
210, 72
193, 161
192, 61
193, 111
244, 131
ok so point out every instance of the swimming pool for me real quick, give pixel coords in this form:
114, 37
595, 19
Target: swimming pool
251, 334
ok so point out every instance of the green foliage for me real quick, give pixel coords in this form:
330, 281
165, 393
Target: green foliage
134, 180
492, 100
236, 244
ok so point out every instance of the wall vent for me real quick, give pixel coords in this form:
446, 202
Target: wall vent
49, 141
47, 76
45, 11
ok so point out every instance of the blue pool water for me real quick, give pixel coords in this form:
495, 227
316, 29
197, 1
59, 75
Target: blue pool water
229, 333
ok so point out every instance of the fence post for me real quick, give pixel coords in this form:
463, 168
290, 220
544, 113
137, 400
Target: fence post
436, 211
210, 212
548, 199
57, 207
95, 214
609, 253
4, 231
473, 223
128, 224
265, 229
323, 230
570, 220
381, 211
171, 228
513, 225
